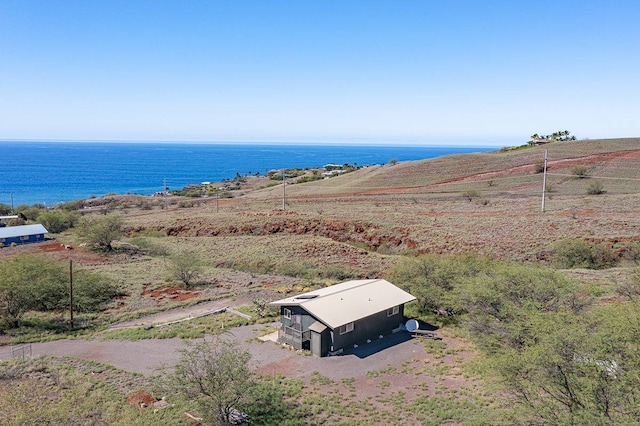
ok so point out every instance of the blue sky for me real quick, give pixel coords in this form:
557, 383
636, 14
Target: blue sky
311, 71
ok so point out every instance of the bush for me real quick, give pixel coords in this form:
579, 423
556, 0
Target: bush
30, 213
309, 178
470, 194
57, 221
569, 254
35, 283
73, 205
580, 172
595, 188
538, 167
5, 209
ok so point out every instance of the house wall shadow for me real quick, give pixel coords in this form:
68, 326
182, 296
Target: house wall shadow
375, 345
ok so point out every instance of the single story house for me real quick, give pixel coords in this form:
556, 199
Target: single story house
332, 318
22, 234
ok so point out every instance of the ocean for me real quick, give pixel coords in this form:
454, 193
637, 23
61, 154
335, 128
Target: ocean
53, 172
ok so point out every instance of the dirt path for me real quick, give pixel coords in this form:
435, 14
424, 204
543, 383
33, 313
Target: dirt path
185, 313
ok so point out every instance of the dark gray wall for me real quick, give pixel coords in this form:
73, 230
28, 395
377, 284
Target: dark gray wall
368, 328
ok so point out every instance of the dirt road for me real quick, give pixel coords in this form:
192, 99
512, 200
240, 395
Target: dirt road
179, 314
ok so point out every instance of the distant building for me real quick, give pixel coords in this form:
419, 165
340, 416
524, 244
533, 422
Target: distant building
539, 141
333, 318
22, 234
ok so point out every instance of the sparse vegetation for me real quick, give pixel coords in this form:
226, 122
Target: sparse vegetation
532, 308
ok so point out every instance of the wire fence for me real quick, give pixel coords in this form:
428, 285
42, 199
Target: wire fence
22, 351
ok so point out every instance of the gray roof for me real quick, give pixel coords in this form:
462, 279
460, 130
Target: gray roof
343, 303
22, 230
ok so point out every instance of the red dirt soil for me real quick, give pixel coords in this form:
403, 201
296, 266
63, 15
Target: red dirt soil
57, 250
141, 397
174, 293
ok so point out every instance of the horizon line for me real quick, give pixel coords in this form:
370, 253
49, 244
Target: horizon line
444, 142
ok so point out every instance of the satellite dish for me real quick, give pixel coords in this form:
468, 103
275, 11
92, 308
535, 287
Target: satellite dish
412, 325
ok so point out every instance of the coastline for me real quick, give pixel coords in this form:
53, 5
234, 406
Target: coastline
54, 172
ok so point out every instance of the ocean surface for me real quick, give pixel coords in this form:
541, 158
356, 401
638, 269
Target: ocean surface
53, 172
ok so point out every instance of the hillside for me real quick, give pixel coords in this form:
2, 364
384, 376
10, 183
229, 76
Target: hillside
369, 223
486, 202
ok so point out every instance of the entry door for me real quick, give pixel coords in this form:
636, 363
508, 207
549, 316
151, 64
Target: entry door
297, 319
316, 343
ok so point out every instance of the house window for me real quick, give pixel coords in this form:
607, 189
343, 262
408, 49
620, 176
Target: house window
347, 328
286, 313
24, 237
393, 311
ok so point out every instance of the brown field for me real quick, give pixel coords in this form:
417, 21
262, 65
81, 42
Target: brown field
421, 207
489, 203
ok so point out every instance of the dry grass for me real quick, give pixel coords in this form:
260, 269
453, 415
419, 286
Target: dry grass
357, 224
361, 222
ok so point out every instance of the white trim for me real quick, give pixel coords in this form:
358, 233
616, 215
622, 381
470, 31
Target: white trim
286, 313
347, 328
393, 311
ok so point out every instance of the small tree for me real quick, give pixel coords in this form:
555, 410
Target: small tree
17, 288
217, 376
101, 231
186, 266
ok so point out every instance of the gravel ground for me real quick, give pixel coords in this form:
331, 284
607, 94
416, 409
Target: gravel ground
149, 356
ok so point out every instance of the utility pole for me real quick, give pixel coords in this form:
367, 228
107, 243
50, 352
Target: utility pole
12, 210
544, 179
217, 198
284, 192
164, 192
71, 293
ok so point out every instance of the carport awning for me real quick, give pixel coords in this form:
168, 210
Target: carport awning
318, 327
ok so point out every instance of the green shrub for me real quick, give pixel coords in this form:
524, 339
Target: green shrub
57, 221
311, 178
538, 167
596, 187
73, 205
580, 172
569, 254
